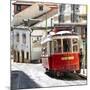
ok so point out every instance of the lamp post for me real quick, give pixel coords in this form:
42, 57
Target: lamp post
30, 42
30, 31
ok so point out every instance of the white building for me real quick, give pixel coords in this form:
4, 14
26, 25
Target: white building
27, 44
21, 44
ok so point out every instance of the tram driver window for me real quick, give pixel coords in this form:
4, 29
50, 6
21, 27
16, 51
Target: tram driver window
66, 45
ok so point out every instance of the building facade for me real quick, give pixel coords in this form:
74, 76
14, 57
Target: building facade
21, 44
26, 47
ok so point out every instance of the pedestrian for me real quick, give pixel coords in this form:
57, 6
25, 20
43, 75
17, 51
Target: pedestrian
81, 57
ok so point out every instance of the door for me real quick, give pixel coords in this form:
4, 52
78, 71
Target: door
22, 56
18, 57
14, 56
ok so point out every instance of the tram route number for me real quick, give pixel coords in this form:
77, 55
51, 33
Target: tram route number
67, 58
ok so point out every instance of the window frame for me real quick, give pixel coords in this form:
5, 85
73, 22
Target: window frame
18, 7
24, 38
70, 46
56, 45
17, 37
75, 45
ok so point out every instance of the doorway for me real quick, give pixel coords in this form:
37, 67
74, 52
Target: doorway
18, 56
22, 52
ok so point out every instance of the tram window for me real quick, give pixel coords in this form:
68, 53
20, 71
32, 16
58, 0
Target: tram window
55, 45
75, 48
50, 46
59, 45
75, 45
27, 55
66, 45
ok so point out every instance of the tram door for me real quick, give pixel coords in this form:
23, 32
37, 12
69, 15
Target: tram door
22, 56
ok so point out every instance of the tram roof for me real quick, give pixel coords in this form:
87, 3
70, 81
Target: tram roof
60, 34
63, 32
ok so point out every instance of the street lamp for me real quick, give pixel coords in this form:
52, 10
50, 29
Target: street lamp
30, 41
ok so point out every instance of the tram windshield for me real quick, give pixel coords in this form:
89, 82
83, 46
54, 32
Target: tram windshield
66, 45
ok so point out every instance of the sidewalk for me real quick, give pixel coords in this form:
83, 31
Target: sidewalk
83, 72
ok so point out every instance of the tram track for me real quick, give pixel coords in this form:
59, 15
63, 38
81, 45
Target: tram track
83, 76
68, 76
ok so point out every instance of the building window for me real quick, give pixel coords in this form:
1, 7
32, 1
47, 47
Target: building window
24, 38
18, 7
61, 18
62, 8
40, 7
74, 14
17, 37
76, 8
27, 55
38, 38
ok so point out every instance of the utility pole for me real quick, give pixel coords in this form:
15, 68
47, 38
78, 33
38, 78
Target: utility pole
46, 23
30, 42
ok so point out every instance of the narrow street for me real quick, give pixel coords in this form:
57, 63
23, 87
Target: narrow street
25, 76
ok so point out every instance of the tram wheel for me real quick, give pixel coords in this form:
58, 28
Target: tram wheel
57, 74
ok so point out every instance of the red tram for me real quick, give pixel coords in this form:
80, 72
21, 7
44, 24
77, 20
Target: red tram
60, 52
